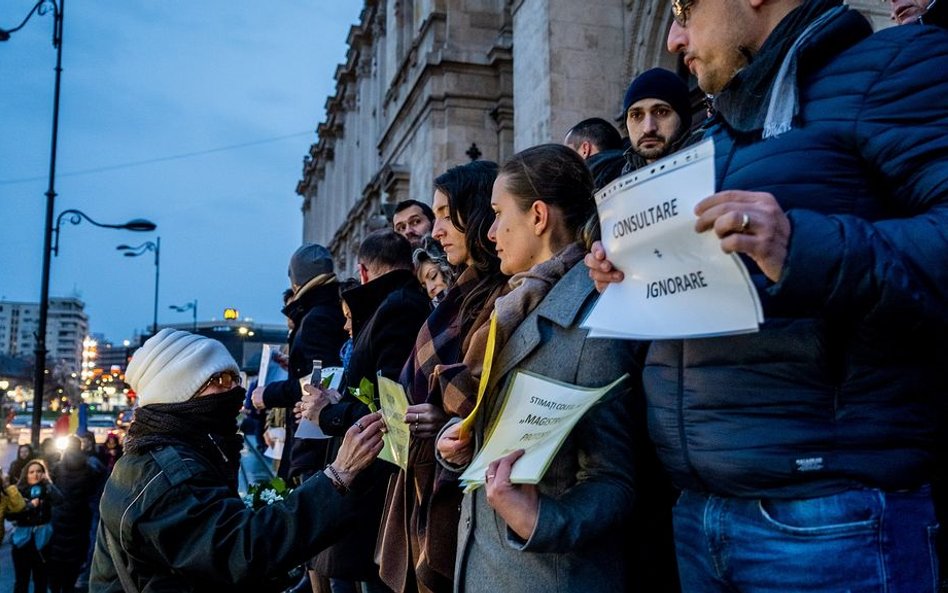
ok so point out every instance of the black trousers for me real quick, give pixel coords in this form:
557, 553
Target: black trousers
63, 578
28, 562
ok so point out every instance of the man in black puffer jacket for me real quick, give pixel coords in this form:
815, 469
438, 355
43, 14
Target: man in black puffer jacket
387, 311
805, 450
78, 481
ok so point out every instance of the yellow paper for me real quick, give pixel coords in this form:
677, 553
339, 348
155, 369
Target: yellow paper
393, 405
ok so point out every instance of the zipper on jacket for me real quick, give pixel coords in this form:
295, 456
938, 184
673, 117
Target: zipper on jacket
686, 456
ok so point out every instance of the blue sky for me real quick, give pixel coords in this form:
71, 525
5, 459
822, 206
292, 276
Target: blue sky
147, 80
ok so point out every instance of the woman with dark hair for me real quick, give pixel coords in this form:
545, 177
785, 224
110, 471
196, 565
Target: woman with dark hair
423, 501
23, 454
569, 532
110, 451
32, 530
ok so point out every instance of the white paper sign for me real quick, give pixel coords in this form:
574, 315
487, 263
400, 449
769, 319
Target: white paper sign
678, 283
307, 429
537, 416
270, 369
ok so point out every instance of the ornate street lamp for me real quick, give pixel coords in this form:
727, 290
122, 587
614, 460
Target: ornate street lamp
193, 307
142, 249
75, 217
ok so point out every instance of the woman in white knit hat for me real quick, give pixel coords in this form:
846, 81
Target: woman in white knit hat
171, 519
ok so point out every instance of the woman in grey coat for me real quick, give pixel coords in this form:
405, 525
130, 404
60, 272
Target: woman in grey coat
571, 531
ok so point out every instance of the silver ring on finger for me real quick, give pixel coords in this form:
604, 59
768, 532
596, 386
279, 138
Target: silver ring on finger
359, 426
745, 222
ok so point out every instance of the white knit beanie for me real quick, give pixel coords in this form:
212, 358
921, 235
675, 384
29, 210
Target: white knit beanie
172, 365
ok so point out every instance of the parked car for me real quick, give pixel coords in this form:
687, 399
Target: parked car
12, 429
100, 425
24, 424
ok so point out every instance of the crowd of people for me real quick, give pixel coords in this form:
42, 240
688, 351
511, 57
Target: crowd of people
52, 500
807, 456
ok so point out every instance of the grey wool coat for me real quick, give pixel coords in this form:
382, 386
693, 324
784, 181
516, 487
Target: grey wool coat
587, 494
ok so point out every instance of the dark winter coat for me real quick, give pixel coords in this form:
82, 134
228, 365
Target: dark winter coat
78, 480
386, 316
32, 516
317, 335
606, 166
180, 527
835, 390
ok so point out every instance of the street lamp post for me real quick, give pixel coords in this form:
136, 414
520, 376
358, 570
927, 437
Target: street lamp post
52, 247
142, 249
193, 307
40, 365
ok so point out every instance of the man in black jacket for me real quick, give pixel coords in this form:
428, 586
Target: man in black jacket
315, 313
600, 145
387, 311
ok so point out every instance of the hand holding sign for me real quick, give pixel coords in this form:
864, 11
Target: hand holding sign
748, 222
601, 269
677, 283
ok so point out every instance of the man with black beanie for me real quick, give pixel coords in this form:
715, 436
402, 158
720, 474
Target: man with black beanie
657, 111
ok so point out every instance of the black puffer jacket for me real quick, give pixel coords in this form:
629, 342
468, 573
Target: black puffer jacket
180, 527
386, 316
78, 481
835, 391
317, 335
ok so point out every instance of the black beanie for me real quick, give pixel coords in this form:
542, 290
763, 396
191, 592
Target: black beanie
662, 84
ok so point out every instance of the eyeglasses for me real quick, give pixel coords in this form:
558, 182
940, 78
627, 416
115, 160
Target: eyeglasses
226, 380
681, 11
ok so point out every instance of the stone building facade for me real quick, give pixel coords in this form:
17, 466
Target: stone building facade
430, 84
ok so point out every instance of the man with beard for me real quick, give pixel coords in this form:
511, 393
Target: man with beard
805, 450
657, 115
413, 220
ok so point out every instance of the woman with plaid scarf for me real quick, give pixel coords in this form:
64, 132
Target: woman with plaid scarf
423, 502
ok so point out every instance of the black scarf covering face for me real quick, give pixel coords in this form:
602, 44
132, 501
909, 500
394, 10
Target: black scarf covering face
744, 102
206, 424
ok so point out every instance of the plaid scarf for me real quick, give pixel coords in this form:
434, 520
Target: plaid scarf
438, 342
513, 303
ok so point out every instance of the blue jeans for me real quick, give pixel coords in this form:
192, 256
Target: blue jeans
858, 541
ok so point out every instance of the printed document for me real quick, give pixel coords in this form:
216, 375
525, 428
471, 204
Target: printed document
678, 283
537, 416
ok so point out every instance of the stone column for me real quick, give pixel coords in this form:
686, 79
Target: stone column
568, 65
